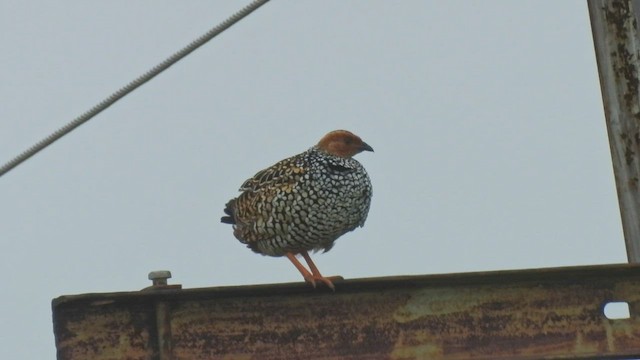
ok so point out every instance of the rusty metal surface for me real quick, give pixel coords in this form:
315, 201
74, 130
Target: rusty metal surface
524, 314
614, 24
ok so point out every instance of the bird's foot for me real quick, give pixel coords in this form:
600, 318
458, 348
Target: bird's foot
313, 280
314, 276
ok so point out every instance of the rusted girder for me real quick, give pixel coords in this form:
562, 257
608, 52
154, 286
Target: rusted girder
525, 314
614, 24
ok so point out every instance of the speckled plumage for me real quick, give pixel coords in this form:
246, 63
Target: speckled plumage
304, 202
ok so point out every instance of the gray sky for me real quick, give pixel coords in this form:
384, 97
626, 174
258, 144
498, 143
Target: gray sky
486, 119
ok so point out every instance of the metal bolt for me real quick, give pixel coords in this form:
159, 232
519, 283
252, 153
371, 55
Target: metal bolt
159, 278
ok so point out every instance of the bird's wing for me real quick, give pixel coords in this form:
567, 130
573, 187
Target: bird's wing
253, 206
285, 172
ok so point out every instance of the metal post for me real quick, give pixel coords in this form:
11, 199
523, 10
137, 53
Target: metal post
614, 24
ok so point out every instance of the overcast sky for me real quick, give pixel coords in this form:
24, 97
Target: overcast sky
486, 119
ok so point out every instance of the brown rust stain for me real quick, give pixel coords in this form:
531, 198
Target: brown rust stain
490, 321
620, 17
284, 327
104, 330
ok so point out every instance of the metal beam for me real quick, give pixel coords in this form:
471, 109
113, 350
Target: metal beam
615, 35
525, 314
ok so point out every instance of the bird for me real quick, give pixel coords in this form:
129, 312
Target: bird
304, 203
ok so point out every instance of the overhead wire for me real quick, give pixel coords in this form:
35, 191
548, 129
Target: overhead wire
125, 90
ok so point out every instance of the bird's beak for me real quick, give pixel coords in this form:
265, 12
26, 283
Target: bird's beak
365, 147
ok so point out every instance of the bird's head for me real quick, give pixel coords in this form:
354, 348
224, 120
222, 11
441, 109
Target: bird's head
342, 143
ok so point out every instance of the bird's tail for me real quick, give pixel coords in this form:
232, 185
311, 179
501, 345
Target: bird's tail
229, 210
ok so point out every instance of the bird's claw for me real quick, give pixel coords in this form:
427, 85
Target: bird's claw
312, 281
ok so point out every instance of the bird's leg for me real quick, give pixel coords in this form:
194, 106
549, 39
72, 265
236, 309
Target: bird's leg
308, 277
315, 272
312, 276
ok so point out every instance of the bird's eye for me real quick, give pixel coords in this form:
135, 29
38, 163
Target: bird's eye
348, 141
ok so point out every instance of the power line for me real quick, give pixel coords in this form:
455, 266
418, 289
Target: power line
122, 92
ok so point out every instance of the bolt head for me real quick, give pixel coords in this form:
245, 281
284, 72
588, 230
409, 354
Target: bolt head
160, 275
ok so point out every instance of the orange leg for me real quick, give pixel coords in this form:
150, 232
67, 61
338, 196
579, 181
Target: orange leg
305, 273
314, 275
316, 272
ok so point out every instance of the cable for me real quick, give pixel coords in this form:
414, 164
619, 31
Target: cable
122, 92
